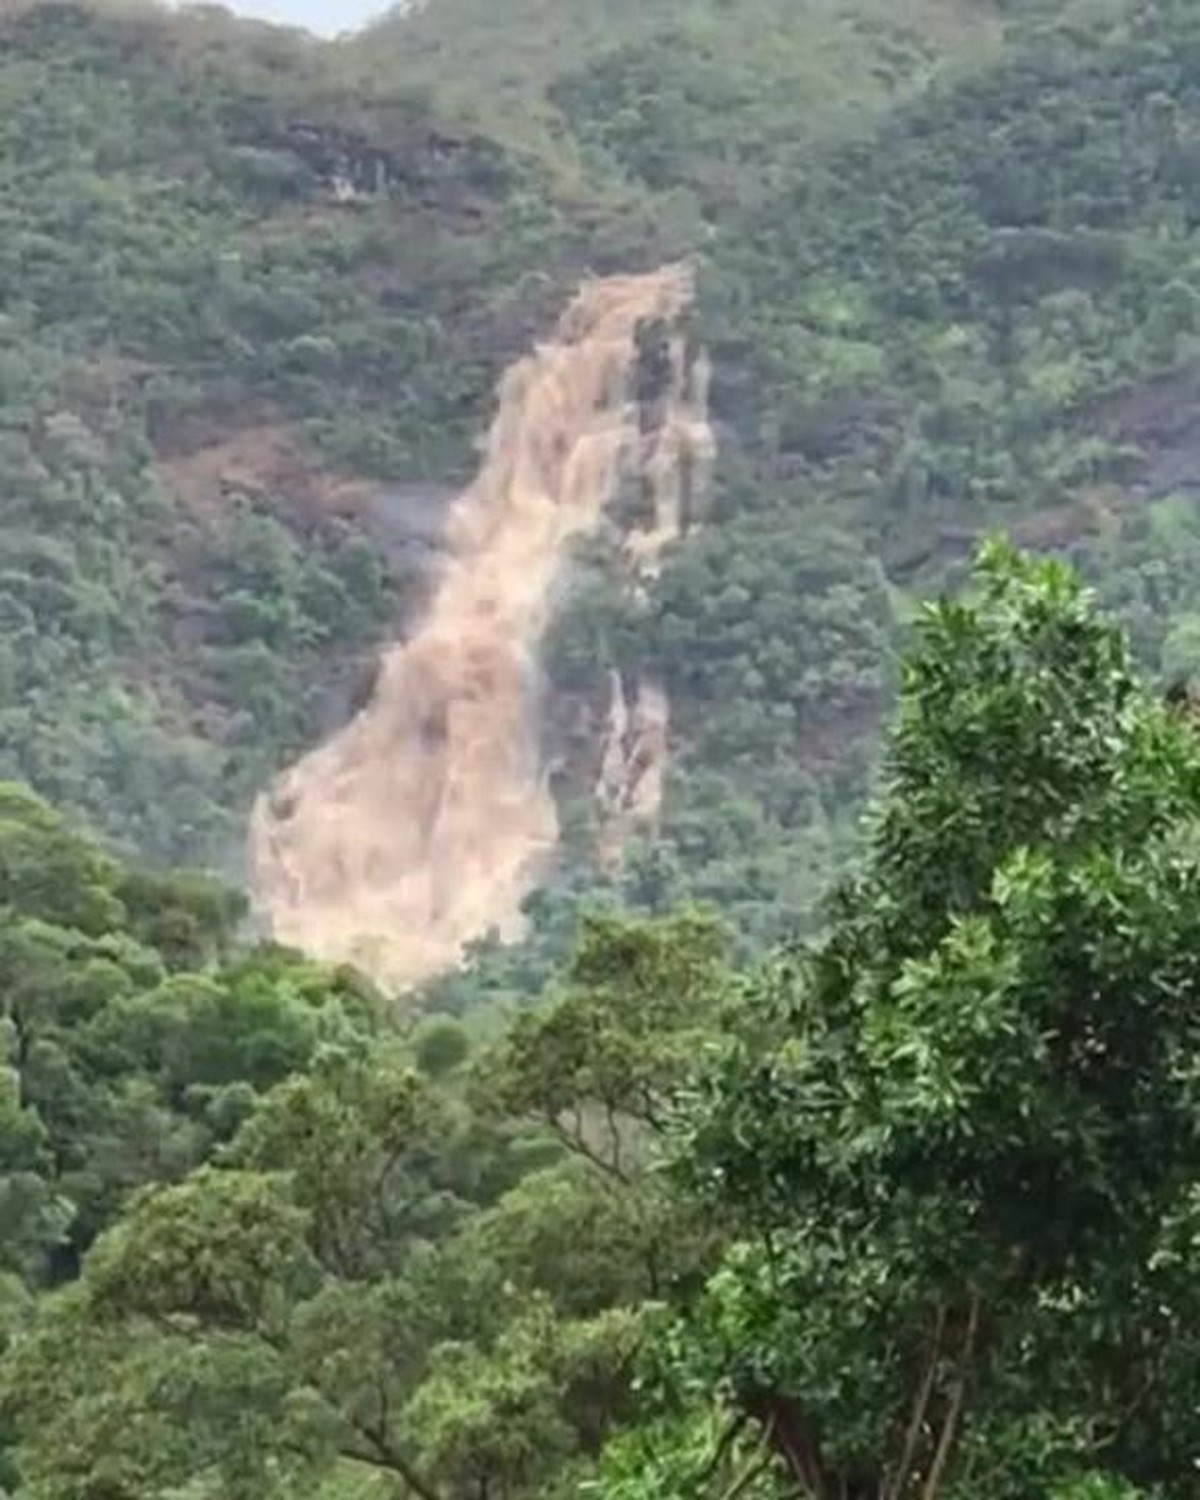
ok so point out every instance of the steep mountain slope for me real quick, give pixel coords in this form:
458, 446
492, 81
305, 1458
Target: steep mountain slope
256, 293
233, 288
980, 313
255, 296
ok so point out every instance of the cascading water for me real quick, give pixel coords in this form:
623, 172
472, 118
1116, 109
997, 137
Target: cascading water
425, 822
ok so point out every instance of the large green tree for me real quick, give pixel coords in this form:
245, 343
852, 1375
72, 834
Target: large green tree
401, 1272
959, 1137
133, 1039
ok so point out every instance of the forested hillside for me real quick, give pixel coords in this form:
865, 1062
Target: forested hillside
839, 1142
910, 1211
977, 313
257, 291
241, 284
974, 309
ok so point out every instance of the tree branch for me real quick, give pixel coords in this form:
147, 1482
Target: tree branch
916, 1425
746, 1478
1128, 1411
724, 1444
757, 1465
385, 1456
392, 1463
949, 1431
574, 1141
789, 1431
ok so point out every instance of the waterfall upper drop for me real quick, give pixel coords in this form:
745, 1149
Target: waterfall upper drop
425, 822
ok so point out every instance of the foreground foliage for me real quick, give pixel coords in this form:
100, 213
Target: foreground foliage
318, 1254
957, 1140
907, 1212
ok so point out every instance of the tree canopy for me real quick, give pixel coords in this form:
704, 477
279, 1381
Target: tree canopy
906, 1211
956, 1140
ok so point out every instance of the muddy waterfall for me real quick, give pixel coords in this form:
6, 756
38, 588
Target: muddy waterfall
425, 822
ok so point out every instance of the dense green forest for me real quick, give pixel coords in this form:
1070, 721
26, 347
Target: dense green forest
842, 1145
249, 284
244, 277
908, 1211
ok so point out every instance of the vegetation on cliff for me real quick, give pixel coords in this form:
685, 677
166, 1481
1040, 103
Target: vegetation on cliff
245, 277
250, 283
